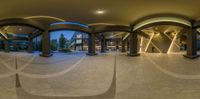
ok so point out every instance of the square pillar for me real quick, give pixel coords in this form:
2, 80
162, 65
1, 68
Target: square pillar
75, 45
127, 47
133, 41
123, 46
91, 45
30, 45
103, 44
191, 44
46, 48
106, 45
117, 44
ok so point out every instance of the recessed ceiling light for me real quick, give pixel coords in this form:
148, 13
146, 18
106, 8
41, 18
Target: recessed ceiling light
100, 12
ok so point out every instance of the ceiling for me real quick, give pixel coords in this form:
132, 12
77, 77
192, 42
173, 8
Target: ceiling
122, 12
114, 35
163, 29
17, 29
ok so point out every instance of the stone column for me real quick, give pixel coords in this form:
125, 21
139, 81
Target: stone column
191, 44
91, 45
123, 46
30, 45
46, 48
133, 41
103, 44
6, 46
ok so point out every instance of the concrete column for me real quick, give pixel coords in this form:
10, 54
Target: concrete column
127, 47
91, 45
82, 43
103, 44
117, 44
106, 45
6, 46
46, 48
1, 45
123, 46
30, 45
133, 41
75, 45
191, 44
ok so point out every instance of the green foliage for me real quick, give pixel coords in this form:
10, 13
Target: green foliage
62, 41
54, 44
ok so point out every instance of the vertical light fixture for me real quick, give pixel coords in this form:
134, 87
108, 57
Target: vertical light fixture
149, 42
141, 44
173, 41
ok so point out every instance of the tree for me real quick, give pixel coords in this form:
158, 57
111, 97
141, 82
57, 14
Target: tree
54, 44
62, 41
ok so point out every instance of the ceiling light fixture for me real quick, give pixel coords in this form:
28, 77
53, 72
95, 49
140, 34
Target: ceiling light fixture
100, 12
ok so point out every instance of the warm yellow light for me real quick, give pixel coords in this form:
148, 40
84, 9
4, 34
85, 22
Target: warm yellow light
50, 17
126, 36
3, 34
173, 41
149, 42
162, 19
141, 44
100, 12
156, 47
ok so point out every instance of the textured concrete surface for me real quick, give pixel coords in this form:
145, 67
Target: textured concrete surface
75, 76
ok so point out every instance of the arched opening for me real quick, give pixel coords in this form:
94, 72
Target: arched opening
113, 41
166, 34
17, 38
164, 39
68, 41
68, 37
110, 37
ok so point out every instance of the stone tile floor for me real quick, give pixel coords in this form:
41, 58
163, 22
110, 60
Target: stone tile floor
75, 75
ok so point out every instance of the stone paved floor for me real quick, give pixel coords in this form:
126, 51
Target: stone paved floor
150, 76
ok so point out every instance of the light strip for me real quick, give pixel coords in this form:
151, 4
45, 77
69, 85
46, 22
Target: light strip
156, 47
71, 23
141, 44
149, 42
100, 24
170, 48
3, 34
126, 36
172, 39
162, 19
50, 17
